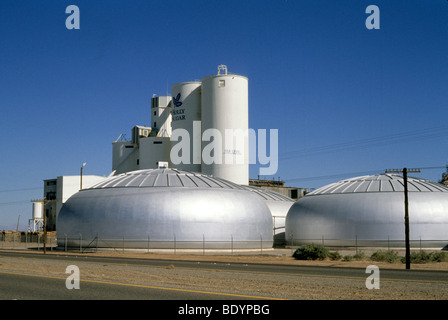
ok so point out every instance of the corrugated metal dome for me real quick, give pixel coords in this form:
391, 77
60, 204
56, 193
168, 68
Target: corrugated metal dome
279, 205
380, 183
369, 210
166, 207
164, 178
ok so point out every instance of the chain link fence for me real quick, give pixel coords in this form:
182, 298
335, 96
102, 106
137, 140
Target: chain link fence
35, 240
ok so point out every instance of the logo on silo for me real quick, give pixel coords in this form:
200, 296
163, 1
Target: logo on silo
176, 101
177, 114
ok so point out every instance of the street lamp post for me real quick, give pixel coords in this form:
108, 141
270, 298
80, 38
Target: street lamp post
80, 182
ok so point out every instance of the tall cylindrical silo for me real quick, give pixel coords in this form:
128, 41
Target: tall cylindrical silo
186, 114
225, 115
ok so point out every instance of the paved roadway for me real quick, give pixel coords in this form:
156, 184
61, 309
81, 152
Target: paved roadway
21, 286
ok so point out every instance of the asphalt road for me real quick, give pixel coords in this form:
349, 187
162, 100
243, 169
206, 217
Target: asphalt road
30, 287
343, 272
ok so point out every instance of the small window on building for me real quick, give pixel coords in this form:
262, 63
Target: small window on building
222, 83
294, 193
155, 112
157, 142
138, 161
51, 196
155, 124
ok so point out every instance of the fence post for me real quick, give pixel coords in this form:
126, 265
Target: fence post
356, 244
231, 244
261, 244
148, 242
174, 243
80, 242
203, 245
65, 245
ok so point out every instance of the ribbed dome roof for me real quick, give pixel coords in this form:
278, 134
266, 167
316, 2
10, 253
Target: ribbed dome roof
163, 178
379, 183
267, 194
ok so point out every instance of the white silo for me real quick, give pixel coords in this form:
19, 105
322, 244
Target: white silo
185, 114
37, 211
225, 112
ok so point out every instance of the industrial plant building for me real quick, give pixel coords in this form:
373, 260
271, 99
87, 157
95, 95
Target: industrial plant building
369, 211
56, 193
158, 201
218, 102
163, 194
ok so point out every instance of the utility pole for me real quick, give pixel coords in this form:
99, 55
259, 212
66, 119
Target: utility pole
406, 211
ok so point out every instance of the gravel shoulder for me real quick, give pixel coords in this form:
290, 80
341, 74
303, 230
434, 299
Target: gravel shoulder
278, 286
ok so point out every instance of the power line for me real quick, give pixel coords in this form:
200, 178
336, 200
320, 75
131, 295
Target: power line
19, 190
410, 136
338, 175
352, 174
13, 202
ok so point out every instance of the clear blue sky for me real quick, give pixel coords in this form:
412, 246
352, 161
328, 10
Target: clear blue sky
346, 100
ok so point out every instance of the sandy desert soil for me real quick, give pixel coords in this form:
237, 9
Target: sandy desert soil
300, 287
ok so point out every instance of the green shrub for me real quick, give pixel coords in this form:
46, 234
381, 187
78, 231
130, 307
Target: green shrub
440, 256
385, 256
359, 256
418, 257
334, 256
311, 252
348, 258
425, 257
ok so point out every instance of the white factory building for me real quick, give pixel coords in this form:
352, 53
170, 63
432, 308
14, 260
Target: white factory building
56, 193
200, 110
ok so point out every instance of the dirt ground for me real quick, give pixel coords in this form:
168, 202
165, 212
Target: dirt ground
278, 286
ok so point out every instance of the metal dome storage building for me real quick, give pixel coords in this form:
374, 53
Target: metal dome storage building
279, 206
369, 211
162, 208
